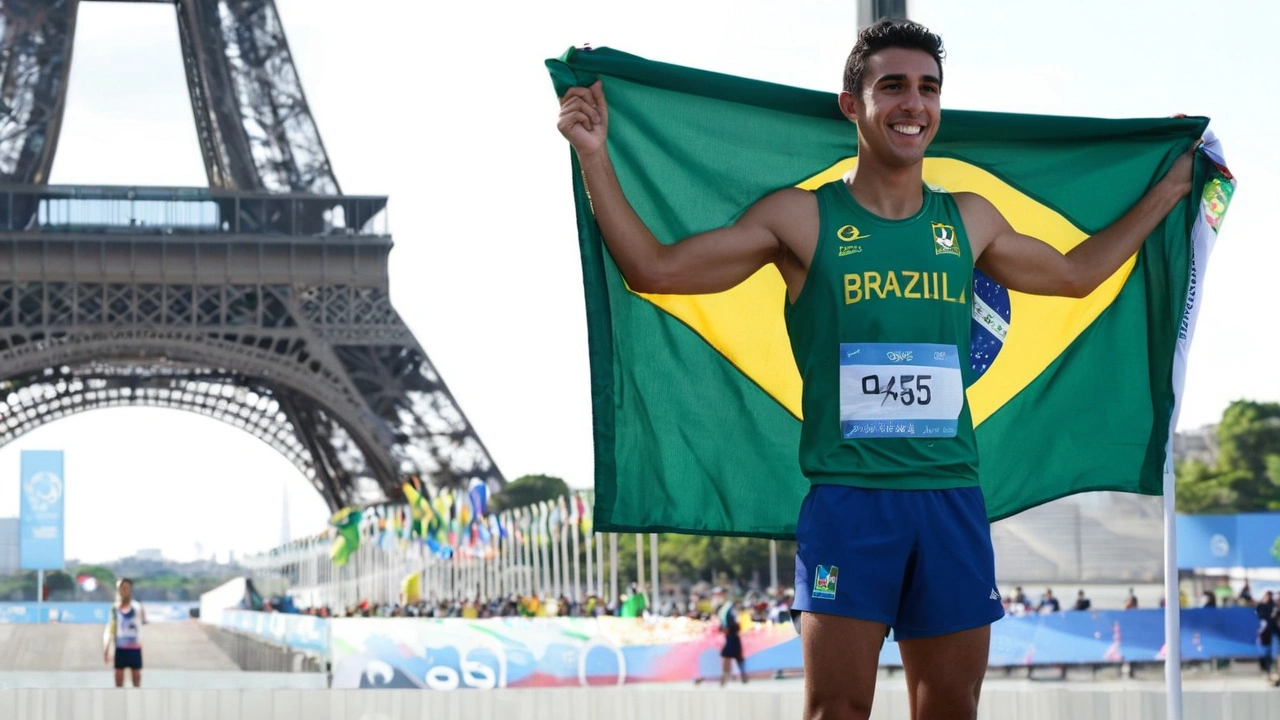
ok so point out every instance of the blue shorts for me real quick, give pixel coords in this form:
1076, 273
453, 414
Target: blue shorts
919, 561
129, 658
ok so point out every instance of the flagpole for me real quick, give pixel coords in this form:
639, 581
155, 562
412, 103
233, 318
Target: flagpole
577, 572
588, 546
773, 566
565, 529
640, 568
599, 541
656, 593
1203, 236
613, 569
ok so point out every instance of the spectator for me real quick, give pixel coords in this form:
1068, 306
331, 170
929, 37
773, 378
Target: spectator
1209, 599
1266, 611
1131, 602
1082, 602
1048, 603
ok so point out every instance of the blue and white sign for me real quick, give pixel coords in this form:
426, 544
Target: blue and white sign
40, 524
910, 390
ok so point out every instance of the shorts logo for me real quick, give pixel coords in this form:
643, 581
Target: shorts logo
824, 582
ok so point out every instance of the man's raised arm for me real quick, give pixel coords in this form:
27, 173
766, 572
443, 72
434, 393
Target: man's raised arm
709, 262
1031, 266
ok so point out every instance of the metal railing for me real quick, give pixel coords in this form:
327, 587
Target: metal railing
28, 209
256, 655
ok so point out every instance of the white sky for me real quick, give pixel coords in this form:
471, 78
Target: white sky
446, 108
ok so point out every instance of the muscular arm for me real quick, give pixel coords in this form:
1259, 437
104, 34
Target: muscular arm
708, 262
1031, 266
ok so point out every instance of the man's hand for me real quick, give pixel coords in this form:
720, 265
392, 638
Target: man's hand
1179, 176
584, 119
106, 655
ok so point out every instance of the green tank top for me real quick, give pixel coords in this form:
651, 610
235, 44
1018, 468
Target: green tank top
880, 333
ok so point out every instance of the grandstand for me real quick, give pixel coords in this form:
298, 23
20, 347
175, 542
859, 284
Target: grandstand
1101, 537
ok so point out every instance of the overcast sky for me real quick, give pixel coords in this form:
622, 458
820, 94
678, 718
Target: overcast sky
446, 108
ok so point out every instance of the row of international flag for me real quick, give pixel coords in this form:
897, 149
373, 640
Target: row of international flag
456, 524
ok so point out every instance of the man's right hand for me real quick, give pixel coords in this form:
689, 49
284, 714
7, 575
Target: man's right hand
584, 119
106, 655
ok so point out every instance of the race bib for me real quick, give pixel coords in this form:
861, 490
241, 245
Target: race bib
904, 390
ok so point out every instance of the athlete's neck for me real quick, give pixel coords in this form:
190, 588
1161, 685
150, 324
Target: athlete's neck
891, 193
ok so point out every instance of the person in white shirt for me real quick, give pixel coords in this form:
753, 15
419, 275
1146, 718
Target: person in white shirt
123, 634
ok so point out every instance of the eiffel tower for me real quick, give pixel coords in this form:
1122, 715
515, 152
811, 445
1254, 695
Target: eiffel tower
261, 300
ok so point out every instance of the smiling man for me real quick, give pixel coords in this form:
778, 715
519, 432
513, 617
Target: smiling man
879, 270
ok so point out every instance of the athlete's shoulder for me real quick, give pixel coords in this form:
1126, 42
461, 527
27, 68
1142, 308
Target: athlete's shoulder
981, 217
784, 208
975, 204
790, 197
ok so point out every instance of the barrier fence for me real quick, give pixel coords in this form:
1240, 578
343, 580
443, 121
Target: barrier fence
451, 654
78, 613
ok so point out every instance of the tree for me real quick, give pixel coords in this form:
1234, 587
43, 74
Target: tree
527, 490
1248, 433
687, 559
1246, 475
59, 585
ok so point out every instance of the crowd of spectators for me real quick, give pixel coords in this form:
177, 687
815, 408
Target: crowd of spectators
759, 606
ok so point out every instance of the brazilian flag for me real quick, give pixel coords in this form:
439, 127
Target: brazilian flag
697, 398
347, 523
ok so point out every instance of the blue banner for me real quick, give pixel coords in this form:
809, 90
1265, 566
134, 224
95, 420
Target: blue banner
87, 613
1247, 540
453, 653
1258, 539
40, 524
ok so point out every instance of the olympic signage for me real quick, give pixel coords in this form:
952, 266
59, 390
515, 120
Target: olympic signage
41, 517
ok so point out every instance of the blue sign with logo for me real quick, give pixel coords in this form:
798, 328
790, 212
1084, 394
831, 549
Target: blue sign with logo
40, 524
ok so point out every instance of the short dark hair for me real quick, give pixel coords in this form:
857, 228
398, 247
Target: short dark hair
889, 34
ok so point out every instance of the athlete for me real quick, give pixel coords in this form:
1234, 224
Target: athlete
122, 634
877, 268
731, 651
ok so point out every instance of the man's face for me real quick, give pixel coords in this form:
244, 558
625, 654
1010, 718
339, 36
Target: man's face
126, 590
899, 106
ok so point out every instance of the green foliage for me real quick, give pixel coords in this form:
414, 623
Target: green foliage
688, 559
528, 490
1246, 476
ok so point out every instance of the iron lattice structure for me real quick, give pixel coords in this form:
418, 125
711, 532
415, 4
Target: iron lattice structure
261, 301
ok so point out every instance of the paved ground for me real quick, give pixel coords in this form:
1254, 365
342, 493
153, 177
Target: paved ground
165, 646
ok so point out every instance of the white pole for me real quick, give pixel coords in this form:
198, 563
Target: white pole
589, 549
599, 540
653, 567
577, 573
640, 568
1202, 240
40, 596
613, 569
565, 529
1172, 604
773, 565
556, 560
544, 571
535, 575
